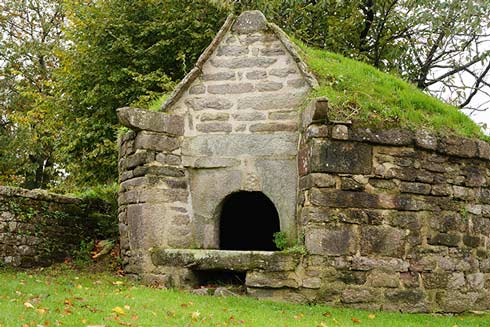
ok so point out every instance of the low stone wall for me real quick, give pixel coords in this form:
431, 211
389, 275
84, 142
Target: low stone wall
396, 220
39, 228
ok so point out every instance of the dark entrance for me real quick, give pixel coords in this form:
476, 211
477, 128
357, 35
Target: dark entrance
248, 222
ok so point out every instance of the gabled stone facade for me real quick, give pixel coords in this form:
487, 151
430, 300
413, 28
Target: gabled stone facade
388, 219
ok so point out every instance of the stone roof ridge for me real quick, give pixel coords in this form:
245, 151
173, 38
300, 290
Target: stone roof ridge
248, 22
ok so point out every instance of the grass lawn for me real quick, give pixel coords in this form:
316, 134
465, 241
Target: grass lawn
64, 297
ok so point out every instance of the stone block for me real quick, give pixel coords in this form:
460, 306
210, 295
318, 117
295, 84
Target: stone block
140, 119
271, 101
232, 50
341, 157
158, 171
214, 127
415, 188
361, 295
340, 132
249, 116
272, 52
220, 76
271, 279
249, 22
268, 86
316, 214
282, 72
322, 180
483, 149
137, 159
214, 116
435, 280
210, 162
256, 75
334, 240
348, 199
312, 282
455, 301
350, 277
445, 239
230, 146
425, 140
369, 263
476, 281
157, 142
380, 278
168, 159
232, 88
350, 184
412, 297
382, 241
210, 102
197, 89
273, 127
284, 115
386, 136
458, 146
243, 62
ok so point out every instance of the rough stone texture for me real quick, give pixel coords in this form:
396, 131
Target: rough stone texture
38, 228
392, 219
139, 119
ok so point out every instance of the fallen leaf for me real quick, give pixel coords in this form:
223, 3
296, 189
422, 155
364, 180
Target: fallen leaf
119, 311
42, 310
371, 316
355, 320
326, 314
28, 305
195, 315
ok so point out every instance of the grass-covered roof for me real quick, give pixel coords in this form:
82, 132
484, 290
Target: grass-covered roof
359, 92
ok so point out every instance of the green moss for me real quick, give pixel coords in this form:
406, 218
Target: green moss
371, 98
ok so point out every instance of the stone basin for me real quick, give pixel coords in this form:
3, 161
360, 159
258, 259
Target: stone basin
205, 259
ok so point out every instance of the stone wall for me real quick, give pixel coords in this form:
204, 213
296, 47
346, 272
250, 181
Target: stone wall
396, 220
391, 220
39, 228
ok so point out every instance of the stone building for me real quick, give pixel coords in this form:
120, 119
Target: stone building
388, 219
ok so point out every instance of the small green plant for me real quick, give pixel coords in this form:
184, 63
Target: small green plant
82, 255
281, 240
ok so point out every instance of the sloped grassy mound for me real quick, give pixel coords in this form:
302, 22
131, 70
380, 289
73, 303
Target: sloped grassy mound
371, 98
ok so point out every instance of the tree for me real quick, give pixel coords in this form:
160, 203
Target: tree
123, 52
31, 33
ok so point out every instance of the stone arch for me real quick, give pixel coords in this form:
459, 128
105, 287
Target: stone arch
247, 221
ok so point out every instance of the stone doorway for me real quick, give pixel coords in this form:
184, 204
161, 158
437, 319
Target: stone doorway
248, 221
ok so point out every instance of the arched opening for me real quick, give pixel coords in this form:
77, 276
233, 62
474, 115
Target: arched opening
248, 222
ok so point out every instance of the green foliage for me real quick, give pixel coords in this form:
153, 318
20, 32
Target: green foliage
281, 240
105, 224
283, 243
156, 104
82, 256
362, 93
123, 52
29, 129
